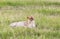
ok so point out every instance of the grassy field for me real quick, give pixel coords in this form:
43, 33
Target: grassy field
46, 14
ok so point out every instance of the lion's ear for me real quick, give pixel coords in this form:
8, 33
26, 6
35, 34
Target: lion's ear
27, 17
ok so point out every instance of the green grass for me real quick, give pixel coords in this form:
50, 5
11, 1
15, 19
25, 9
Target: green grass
46, 14
28, 3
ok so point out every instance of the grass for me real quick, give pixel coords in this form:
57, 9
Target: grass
46, 14
28, 3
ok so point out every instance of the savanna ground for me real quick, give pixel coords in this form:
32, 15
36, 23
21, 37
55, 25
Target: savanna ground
45, 12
